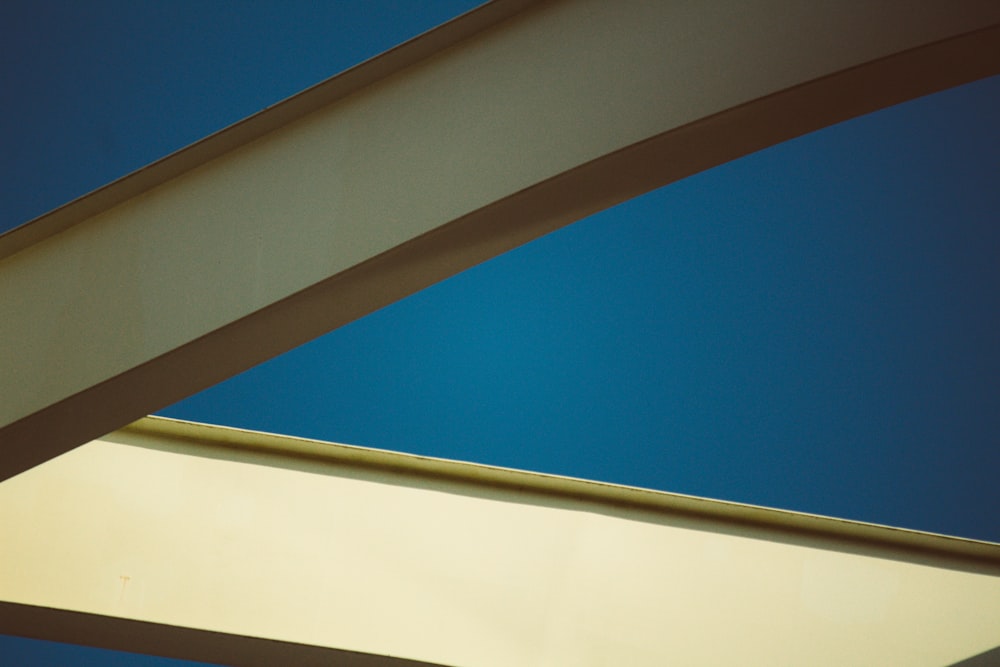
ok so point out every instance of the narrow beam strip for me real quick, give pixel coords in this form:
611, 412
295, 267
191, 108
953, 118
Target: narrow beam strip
169, 641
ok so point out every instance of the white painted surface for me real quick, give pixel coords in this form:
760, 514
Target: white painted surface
331, 555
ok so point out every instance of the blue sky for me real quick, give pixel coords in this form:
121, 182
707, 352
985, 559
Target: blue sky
811, 327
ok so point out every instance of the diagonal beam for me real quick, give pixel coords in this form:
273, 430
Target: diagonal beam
244, 548
179, 643
481, 135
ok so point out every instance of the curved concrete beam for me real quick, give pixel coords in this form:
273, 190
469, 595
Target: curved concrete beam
477, 137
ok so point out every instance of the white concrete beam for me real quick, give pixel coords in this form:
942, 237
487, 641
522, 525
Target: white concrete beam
209, 543
479, 136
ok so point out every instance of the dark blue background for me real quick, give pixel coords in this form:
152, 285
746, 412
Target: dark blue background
813, 327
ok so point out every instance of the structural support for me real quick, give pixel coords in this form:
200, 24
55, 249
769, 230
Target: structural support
472, 139
250, 549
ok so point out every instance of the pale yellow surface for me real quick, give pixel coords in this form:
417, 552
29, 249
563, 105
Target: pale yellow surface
560, 84
319, 553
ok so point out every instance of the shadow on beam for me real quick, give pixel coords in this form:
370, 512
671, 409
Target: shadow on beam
488, 231
168, 641
989, 658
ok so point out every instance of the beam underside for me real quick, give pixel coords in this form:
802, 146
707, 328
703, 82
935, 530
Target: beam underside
467, 152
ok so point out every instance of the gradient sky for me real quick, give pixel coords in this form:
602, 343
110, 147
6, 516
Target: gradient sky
812, 327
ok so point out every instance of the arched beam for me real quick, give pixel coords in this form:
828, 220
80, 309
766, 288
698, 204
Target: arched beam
481, 135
